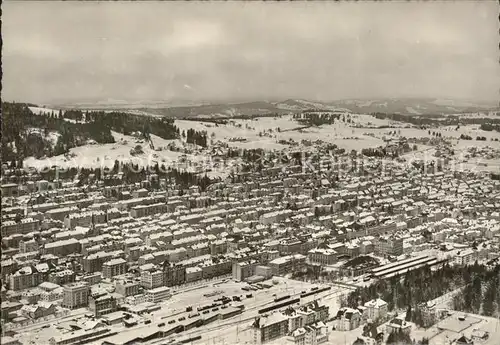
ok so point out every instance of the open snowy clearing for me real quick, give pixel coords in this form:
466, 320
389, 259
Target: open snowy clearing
266, 123
344, 135
471, 130
48, 112
369, 120
413, 111
262, 133
339, 133
135, 112
479, 115
248, 130
43, 111
104, 155
459, 103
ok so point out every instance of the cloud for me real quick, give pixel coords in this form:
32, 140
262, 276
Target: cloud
221, 51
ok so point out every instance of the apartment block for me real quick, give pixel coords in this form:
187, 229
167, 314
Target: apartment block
76, 295
173, 274
114, 267
243, 270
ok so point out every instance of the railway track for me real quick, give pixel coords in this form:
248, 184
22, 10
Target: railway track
196, 332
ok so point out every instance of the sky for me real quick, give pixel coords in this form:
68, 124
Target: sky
226, 51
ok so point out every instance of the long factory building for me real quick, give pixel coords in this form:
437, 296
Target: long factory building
404, 266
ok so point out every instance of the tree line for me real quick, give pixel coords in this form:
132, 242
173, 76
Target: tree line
423, 284
315, 118
490, 127
25, 134
195, 137
377, 152
129, 173
126, 123
441, 120
482, 293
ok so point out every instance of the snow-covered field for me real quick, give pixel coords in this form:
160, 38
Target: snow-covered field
43, 111
344, 137
400, 132
339, 133
266, 123
48, 112
263, 133
459, 103
369, 120
413, 111
240, 128
135, 112
104, 155
482, 115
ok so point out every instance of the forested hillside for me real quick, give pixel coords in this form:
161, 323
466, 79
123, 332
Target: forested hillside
25, 134
487, 124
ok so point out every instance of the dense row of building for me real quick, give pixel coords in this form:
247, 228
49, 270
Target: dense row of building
139, 242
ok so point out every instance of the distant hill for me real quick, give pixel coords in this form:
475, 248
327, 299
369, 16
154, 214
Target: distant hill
118, 104
228, 110
182, 109
397, 106
413, 106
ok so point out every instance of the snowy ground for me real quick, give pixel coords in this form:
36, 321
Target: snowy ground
43, 111
104, 155
263, 133
241, 332
179, 302
233, 330
52, 136
341, 134
135, 112
41, 332
49, 111
413, 111
369, 120
455, 328
471, 130
488, 115
338, 133
464, 160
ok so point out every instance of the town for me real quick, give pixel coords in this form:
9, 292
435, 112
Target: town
250, 173
307, 245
